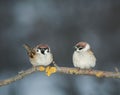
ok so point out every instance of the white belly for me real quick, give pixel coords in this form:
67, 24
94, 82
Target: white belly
43, 60
83, 60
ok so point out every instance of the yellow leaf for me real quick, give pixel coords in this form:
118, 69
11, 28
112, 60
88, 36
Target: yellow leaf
48, 74
47, 69
53, 69
41, 68
50, 70
99, 74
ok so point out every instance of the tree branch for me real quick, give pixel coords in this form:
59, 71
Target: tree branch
65, 70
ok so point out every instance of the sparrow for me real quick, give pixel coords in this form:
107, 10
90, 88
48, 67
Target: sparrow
40, 55
83, 56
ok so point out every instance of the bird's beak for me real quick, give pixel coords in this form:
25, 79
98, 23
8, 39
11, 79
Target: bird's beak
42, 51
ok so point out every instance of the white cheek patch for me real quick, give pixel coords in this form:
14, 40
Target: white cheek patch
47, 51
87, 47
38, 51
77, 49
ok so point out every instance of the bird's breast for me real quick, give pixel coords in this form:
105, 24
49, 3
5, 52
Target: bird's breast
41, 60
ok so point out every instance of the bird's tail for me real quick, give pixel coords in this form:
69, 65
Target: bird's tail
27, 47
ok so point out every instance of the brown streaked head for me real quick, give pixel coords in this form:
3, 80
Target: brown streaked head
81, 45
42, 48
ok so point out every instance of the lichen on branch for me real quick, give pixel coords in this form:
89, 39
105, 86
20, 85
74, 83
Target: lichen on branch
65, 70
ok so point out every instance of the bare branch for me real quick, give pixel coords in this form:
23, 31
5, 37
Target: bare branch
96, 73
65, 70
17, 77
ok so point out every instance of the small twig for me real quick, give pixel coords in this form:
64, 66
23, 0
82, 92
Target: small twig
65, 70
116, 69
19, 76
54, 63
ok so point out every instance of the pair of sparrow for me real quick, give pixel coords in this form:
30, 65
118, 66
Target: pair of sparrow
83, 56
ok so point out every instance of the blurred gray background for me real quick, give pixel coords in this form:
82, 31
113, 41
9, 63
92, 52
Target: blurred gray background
60, 24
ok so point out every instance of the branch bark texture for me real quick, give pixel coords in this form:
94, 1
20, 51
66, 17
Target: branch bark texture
65, 70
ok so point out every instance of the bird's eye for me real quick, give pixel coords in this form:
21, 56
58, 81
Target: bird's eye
38, 50
80, 48
46, 49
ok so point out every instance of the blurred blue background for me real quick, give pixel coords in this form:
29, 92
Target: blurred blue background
60, 24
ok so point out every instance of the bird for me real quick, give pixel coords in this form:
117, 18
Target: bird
83, 57
40, 55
